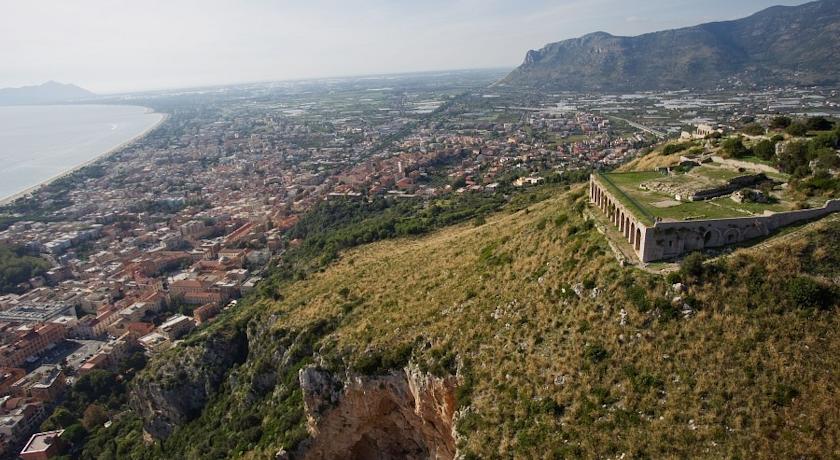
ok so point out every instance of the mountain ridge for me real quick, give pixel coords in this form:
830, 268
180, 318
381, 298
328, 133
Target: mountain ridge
776, 46
45, 93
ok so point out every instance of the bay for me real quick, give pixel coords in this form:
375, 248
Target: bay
41, 142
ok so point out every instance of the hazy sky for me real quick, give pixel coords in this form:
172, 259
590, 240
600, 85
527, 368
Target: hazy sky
126, 45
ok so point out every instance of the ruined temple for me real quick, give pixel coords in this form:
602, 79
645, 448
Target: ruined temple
654, 239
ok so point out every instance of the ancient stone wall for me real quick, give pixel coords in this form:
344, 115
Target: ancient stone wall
633, 230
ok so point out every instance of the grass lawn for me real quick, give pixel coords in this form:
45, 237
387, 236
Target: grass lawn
625, 187
716, 173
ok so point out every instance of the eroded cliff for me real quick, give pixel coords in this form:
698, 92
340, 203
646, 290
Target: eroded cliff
406, 414
177, 390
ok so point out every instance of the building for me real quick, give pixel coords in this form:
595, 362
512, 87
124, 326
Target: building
205, 312
8, 376
19, 418
36, 312
43, 446
45, 383
176, 327
32, 343
154, 342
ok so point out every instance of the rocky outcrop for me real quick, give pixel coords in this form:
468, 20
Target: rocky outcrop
175, 391
403, 415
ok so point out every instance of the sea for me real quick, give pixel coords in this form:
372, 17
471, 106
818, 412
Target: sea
41, 142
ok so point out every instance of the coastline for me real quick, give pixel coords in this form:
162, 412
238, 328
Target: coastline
30, 190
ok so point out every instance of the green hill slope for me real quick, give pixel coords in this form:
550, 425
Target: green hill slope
529, 331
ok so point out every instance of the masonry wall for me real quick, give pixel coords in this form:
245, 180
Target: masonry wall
671, 239
634, 231
665, 240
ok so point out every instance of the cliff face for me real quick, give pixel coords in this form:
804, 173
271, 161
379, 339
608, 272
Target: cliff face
406, 414
402, 414
177, 390
780, 45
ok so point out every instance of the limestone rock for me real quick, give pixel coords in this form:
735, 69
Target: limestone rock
406, 414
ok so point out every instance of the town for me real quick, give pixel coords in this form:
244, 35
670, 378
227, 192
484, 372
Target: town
155, 241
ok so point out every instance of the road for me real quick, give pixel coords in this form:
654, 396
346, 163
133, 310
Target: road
644, 128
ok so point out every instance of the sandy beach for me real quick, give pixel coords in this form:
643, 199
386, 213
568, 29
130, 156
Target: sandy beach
30, 190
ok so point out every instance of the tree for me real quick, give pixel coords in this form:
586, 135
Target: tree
828, 158
74, 433
764, 150
753, 129
94, 417
734, 147
61, 418
780, 122
96, 385
818, 124
16, 267
459, 183
797, 130
794, 155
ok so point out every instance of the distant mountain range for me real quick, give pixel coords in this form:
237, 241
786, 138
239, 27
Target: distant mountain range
47, 93
797, 45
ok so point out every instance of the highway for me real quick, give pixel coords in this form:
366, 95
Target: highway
644, 128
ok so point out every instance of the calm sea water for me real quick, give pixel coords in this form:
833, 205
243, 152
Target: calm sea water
38, 143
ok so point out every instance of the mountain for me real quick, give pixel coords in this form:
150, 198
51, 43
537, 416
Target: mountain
46, 93
518, 337
797, 45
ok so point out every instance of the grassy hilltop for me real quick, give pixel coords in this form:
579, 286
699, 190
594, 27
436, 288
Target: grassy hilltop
748, 370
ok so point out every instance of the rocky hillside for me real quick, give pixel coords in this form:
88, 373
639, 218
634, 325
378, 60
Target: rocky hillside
780, 45
516, 337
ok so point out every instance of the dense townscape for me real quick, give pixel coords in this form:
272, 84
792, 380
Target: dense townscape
124, 258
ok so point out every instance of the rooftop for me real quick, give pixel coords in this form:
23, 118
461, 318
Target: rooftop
40, 442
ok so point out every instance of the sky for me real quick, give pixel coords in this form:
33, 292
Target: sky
110, 46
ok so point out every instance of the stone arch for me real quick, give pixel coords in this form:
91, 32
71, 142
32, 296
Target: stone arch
621, 222
632, 232
627, 227
753, 231
638, 244
711, 237
732, 235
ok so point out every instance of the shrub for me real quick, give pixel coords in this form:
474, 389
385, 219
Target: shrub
637, 296
797, 130
692, 265
753, 129
595, 354
734, 147
805, 292
818, 124
783, 394
671, 149
666, 310
780, 122
764, 150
